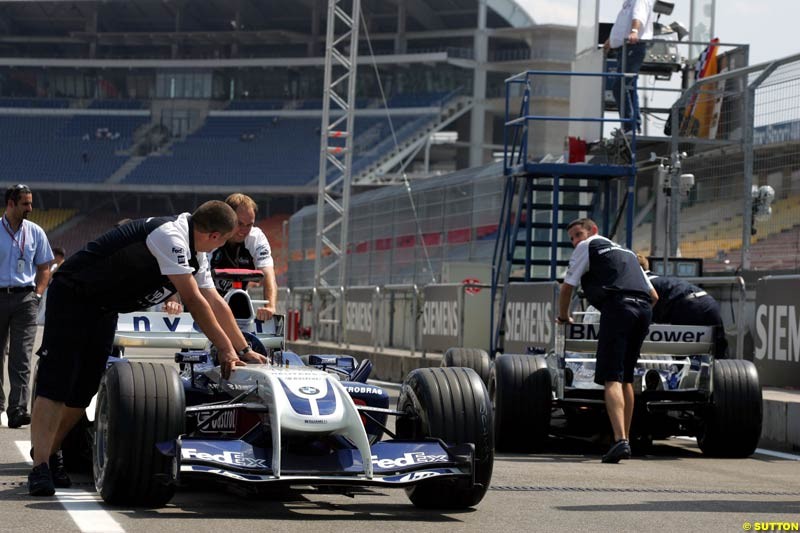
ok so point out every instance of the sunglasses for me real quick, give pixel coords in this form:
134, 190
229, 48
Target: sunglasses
13, 192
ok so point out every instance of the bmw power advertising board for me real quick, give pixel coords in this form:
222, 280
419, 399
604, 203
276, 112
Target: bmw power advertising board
529, 318
777, 331
360, 318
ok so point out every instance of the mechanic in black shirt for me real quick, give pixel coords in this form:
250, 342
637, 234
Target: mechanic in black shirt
614, 283
680, 302
247, 248
131, 267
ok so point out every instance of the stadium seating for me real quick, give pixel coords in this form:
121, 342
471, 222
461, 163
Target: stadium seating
117, 104
50, 219
64, 149
226, 149
271, 151
49, 103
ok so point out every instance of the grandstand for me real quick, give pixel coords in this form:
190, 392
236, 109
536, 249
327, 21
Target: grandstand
124, 109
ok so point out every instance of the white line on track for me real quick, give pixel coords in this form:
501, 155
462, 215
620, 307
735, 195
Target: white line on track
83, 507
762, 451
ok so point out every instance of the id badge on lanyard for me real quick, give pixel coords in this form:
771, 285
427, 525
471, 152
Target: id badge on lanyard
21, 245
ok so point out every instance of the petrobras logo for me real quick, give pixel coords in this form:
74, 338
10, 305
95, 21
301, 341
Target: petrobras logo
408, 459
353, 389
226, 457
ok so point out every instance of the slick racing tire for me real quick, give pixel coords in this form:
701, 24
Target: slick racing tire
731, 425
451, 404
138, 405
474, 358
521, 390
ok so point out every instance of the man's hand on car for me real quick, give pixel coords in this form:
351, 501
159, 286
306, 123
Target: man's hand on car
172, 307
254, 358
265, 313
227, 360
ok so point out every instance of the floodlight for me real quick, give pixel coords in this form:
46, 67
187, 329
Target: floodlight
663, 8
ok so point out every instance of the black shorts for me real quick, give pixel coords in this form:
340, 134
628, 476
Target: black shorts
624, 322
77, 341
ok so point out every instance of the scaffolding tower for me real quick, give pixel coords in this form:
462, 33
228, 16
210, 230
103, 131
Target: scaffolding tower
336, 161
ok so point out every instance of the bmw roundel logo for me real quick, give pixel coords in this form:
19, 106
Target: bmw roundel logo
308, 391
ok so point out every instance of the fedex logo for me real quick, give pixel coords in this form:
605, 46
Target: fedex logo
408, 459
226, 457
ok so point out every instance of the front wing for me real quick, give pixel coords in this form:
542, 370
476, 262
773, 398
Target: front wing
395, 463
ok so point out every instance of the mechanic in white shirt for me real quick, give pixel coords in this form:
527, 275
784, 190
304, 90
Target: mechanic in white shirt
634, 23
248, 248
131, 267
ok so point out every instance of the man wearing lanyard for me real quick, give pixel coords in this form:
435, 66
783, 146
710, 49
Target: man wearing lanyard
25, 257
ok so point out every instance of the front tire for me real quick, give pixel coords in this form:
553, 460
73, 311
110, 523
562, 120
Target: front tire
451, 404
138, 405
732, 422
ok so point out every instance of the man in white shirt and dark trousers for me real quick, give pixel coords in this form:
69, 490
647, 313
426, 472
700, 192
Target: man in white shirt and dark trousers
634, 24
614, 283
25, 257
131, 267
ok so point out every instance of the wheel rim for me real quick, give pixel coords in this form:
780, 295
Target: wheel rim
100, 455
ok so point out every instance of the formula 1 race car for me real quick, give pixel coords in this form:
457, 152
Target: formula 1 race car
544, 382
680, 389
311, 423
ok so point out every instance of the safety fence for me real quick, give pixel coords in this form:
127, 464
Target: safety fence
436, 317
738, 133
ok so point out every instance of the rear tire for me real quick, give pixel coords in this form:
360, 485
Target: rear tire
474, 358
522, 393
732, 421
451, 404
138, 405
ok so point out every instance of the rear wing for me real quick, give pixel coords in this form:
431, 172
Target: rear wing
160, 330
661, 339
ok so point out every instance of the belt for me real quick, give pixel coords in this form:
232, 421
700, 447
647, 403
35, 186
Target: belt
10, 290
637, 299
698, 294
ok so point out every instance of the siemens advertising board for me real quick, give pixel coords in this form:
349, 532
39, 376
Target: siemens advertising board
529, 316
360, 319
777, 331
441, 318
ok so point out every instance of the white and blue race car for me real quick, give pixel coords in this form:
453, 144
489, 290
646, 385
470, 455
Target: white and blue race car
312, 423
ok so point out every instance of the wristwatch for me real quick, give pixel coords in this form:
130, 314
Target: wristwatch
243, 351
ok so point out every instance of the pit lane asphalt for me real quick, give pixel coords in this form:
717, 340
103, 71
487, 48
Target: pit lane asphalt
565, 488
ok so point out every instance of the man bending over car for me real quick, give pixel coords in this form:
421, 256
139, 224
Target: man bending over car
131, 267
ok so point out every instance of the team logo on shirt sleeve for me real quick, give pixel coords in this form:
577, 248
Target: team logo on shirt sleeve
262, 252
180, 256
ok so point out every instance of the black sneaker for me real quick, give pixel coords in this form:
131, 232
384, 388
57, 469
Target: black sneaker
620, 450
17, 418
60, 477
40, 482
57, 470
